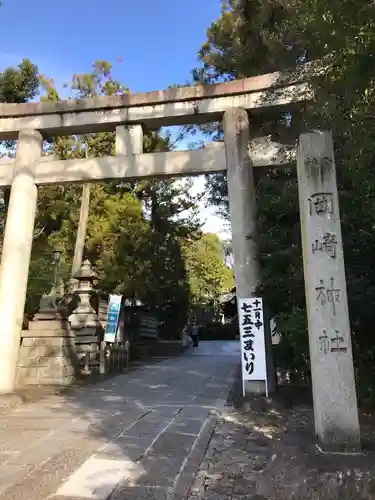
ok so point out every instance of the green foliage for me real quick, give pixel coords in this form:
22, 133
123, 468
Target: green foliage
19, 84
135, 255
208, 275
243, 41
143, 237
252, 37
137, 232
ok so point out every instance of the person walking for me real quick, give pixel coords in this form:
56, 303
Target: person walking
195, 334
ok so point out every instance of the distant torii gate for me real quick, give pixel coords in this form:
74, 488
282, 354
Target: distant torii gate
335, 403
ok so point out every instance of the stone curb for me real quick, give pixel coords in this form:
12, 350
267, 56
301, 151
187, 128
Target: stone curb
184, 480
190, 467
222, 401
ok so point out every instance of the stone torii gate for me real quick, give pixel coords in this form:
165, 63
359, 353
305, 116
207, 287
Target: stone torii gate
335, 403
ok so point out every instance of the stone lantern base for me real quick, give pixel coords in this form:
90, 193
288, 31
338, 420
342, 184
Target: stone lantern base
47, 352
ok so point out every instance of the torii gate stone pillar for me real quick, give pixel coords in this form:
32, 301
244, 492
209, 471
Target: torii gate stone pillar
15, 259
243, 216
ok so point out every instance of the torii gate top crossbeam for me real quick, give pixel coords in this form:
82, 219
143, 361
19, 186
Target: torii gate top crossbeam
174, 106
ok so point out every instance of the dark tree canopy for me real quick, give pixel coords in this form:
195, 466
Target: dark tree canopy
253, 37
19, 84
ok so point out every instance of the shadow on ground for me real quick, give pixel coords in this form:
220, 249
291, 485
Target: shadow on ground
266, 449
150, 421
141, 431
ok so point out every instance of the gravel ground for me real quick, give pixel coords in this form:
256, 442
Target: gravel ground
265, 449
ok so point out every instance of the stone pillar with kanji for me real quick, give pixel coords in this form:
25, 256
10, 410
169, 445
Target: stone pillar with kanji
333, 381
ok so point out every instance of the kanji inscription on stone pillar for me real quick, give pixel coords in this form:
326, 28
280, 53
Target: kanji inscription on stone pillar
334, 392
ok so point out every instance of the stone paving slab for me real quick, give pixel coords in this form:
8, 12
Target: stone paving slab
11, 474
162, 464
45, 478
187, 425
184, 480
124, 447
138, 493
68, 498
7, 435
96, 477
20, 438
155, 419
147, 427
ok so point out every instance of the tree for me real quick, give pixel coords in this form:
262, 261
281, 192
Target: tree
206, 269
252, 37
135, 230
172, 212
19, 84
137, 233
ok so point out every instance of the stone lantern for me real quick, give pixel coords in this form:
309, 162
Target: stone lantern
84, 321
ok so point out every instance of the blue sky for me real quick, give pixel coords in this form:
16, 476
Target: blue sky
157, 40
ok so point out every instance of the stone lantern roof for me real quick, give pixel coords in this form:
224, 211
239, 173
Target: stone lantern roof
85, 272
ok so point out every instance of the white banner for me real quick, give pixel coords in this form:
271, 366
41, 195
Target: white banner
113, 315
253, 348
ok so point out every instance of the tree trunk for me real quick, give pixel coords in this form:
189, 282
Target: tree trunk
82, 227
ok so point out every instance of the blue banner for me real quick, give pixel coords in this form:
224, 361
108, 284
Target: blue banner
113, 315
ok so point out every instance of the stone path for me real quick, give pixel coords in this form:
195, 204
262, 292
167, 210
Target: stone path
139, 435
